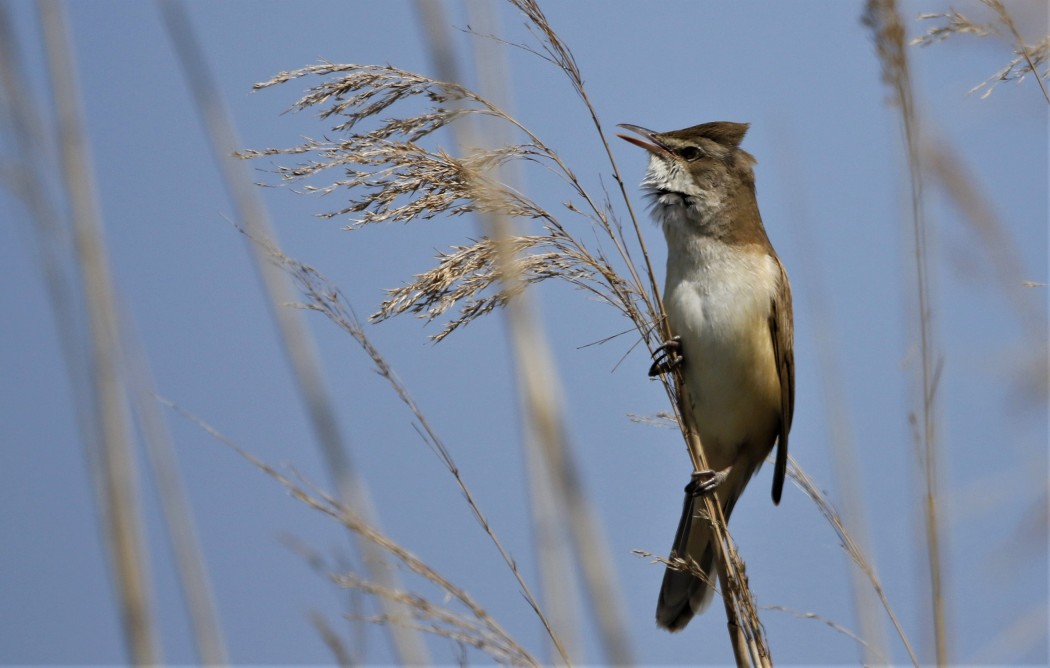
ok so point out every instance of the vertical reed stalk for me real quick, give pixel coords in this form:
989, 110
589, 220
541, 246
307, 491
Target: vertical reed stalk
116, 475
298, 345
883, 17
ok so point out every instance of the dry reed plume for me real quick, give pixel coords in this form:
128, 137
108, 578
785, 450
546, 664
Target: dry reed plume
1028, 58
390, 177
927, 158
381, 158
390, 170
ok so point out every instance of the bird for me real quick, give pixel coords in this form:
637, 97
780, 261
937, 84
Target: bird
728, 304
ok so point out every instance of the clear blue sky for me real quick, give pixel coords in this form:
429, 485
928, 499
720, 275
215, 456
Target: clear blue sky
832, 185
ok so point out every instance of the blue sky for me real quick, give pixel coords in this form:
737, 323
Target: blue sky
832, 184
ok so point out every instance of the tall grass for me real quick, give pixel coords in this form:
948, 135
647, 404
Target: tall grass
298, 345
887, 27
389, 174
381, 159
925, 157
111, 452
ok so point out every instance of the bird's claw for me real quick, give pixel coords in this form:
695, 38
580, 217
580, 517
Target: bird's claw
667, 357
705, 482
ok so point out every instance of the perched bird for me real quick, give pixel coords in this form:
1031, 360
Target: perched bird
728, 304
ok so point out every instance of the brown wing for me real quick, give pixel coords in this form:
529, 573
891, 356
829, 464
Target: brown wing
782, 331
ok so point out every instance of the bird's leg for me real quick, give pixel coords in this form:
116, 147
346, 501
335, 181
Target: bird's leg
667, 357
705, 482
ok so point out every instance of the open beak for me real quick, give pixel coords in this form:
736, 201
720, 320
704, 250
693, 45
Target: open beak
654, 147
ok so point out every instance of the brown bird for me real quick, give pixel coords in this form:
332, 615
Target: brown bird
728, 304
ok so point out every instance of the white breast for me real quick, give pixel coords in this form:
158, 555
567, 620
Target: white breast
718, 299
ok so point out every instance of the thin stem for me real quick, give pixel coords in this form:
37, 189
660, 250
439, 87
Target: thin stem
1008, 21
117, 481
928, 383
298, 345
329, 300
852, 548
884, 19
544, 438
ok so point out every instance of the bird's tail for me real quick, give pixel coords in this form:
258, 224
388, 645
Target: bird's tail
683, 594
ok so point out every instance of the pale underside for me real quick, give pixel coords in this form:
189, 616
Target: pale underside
719, 297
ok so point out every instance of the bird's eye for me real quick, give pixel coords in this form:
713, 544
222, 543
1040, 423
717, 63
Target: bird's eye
690, 153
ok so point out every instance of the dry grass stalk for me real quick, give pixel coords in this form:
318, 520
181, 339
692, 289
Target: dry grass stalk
954, 23
745, 631
882, 660
961, 187
115, 469
463, 277
436, 619
492, 637
393, 178
950, 172
679, 564
566, 526
752, 649
332, 640
24, 180
178, 524
295, 338
464, 273
883, 19
325, 298
853, 550
1028, 58
391, 175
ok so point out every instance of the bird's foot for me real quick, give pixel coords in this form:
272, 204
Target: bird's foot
667, 357
705, 482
